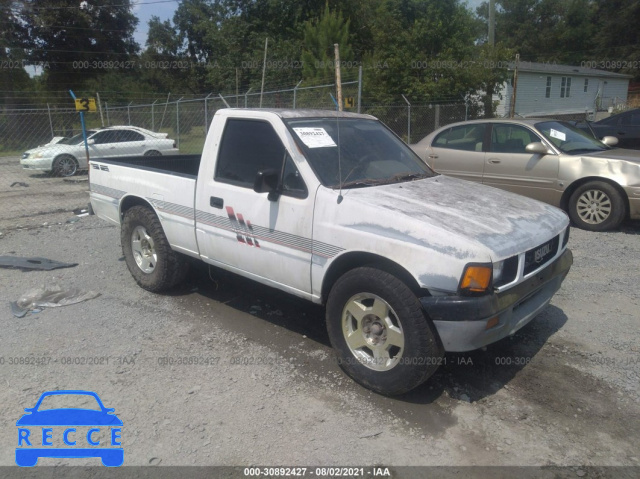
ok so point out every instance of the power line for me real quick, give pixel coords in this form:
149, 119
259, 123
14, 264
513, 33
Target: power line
128, 5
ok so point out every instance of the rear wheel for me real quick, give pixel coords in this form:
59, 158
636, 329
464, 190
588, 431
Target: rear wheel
596, 206
149, 257
153, 153
379, 330
65, 165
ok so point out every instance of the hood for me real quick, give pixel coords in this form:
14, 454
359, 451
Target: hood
50, 148
449, 211
616, 154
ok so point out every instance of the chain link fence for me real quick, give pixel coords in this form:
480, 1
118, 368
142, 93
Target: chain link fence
37, 180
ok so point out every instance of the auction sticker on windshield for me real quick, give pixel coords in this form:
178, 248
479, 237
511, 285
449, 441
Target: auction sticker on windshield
314, 137
558, 134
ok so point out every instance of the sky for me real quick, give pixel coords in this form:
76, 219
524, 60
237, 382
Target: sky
145, 9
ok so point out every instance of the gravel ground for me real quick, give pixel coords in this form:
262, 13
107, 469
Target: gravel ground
564, 391
30, 198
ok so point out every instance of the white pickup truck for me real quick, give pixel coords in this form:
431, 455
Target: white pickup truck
334, 208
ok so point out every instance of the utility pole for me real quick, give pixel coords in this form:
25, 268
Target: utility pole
515, 88
336, 49
264, 68
488, 100
492, 22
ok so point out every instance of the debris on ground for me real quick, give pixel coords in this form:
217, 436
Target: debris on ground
26, 264
48, 297
18, 183
81, 212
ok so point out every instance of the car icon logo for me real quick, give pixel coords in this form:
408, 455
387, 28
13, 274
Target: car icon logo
69, 432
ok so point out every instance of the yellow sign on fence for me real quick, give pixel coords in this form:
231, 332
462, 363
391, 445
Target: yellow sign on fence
85, 104
349, 102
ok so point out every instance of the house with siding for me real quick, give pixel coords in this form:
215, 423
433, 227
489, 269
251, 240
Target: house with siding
548, 89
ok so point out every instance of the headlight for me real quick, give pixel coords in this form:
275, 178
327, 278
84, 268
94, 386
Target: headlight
505, 271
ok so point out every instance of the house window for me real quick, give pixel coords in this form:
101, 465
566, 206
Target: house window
565, 87
586, 84
548, 92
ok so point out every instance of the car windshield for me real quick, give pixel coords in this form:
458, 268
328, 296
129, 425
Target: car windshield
65, 401
355, 152
569, 139
77, 139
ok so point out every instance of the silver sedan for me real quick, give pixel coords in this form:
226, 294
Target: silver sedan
549, 160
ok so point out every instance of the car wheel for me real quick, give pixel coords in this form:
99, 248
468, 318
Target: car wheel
596, 206
65, 165
149, 257
381, 335
153, 153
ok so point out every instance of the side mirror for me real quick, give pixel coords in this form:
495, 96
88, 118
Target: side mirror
610, 140
91, 141
267, 181
537, 148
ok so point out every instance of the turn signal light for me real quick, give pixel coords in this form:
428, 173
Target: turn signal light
476, 278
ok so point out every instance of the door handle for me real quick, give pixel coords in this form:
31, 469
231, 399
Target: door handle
216, 202
494, 161
621, 133
433, 156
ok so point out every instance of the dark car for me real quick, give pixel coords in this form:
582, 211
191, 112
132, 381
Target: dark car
624, 126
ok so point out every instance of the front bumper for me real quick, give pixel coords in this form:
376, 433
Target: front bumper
37, 163
461, 321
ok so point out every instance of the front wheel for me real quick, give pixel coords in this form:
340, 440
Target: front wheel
149, 257
65, 165
153, 153
380, 332
596, 206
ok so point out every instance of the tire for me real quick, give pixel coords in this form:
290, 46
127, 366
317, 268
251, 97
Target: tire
149, 257
153, 153
65, 165
596, 206
386, 363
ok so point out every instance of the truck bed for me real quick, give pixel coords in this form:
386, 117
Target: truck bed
166, 184
178, 165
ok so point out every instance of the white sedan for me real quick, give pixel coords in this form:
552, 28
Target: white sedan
68, 156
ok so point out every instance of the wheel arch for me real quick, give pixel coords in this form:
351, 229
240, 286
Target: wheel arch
130, 201
357, 259
566, 195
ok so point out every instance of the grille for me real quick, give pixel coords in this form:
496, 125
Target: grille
540, 255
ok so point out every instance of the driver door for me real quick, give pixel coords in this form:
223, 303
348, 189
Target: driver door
243, 231
510, 167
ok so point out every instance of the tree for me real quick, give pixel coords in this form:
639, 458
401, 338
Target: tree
76, 40
13, 77
318, 54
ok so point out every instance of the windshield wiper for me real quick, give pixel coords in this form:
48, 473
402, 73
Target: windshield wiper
385, 181
579, 151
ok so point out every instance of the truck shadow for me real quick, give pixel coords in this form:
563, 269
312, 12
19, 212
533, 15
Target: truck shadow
475, 375
462, 376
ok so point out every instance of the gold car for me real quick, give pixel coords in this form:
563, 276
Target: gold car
549, 160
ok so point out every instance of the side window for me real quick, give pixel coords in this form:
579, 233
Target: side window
292, 182
511, 138
129, 135
248, 146
631, 118
104, 137
466, 137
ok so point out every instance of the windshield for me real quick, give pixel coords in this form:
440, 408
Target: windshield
569, 139
77, 139
355, 152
